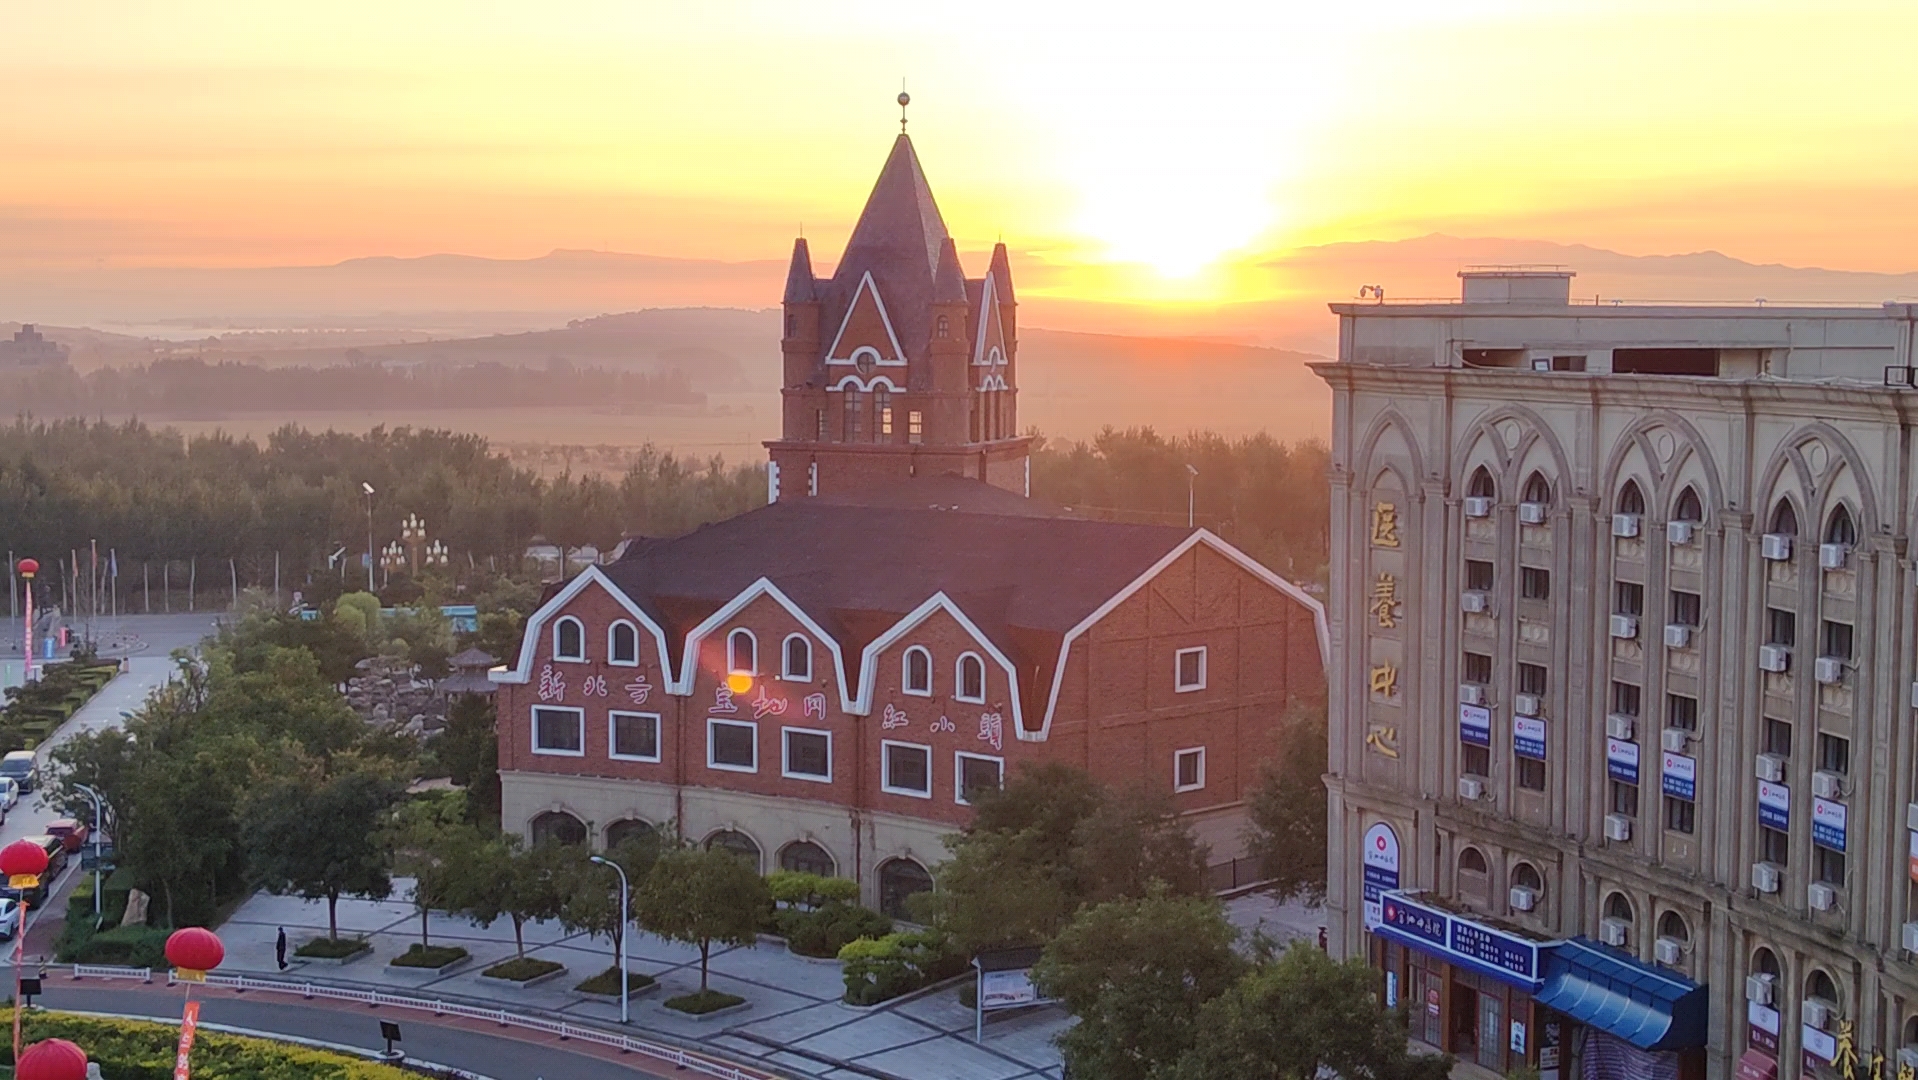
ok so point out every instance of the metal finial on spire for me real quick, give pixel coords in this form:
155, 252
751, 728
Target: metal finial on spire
905, 99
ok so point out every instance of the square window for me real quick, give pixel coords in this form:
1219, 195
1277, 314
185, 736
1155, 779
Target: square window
1626, 698
976, 772
915, 426
1773, 846
1188, 769
1681, 711
1628, 598
1837, 640
1687, 607
1777, 737
732, 745
1478, 668
1625, 799
559, 731
1680, 815
1834, 754
1478, 575
808, 754
1781, 628
1477, 760
633, 736
1534, 583
1829, 868
1531, 774
1190, 673
1531, 679
907, 769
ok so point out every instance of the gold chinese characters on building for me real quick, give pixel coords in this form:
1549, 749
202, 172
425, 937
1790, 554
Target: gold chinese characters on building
1383, 739
1385, 601
1385, 680
1385, 525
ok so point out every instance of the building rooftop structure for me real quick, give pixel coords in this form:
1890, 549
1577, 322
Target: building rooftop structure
31, 349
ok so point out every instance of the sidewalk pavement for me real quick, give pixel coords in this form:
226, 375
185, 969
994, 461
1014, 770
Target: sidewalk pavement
795, 1022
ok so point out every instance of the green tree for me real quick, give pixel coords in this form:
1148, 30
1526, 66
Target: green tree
499, 635
1299, 1017
592, 891
503, 878
1136, 973
322, 838
468, 749
432, 843
1286, 810
702, 897
359, 612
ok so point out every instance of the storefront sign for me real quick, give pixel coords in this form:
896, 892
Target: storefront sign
1762, 1027
1469, 944
1528, 737
1821, 1045
1681, 777
1774, 806
1391, 989
1914, 856
1828, 824
1381, 869
1621, 760
1007, 990
1475, 725
1518, 1037
1548, 1038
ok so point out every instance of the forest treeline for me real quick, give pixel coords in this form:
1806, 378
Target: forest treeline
186, 388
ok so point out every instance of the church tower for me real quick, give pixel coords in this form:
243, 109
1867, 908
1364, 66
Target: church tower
898, 366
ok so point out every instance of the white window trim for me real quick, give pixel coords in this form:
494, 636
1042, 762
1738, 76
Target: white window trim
785, 755
959, 759
612, 742
579, 717
1177, 658
785, 656
905, 671
959, 678
714, 721
732, 659
557, 655
1179, 755
612, 655
885, 769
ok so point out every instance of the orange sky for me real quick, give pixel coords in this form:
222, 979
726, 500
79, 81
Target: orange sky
1153, 156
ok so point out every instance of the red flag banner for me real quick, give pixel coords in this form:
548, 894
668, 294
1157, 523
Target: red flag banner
189, 1023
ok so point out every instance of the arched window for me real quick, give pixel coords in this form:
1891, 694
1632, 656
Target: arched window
797, 665
1819, 987
917, 676
899, 879
1537, 490
569, 639
742, 652
736, 842
1841, 529
558, 827
972, 679
1472, 861
622, 643
1526, 876
806, 857
630, 831
1630, 499
944, 325
1765, 962
1672, 925
1688, 508
1619, 906
1481, 486
1784, 520
1911, 1031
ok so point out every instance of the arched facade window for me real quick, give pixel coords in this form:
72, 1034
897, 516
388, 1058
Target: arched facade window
736, 842
1619, 906
944, 327
1841, 529
1526, 876
1537, 490
742, 652
1911, 1031
1784, 520
806, 857
796, 662
569, 639
1819, 987
630, 831
1630, 499
1472, 861
558, 827
1765, 962
1688, 508
916, 678
622, 643
971, 679
1672, 925
1481, 485
898, 880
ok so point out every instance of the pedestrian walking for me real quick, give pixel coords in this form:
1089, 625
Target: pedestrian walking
279, 949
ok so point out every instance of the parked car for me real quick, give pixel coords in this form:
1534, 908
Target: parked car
20, 767
9, 918
9, 794
72, 832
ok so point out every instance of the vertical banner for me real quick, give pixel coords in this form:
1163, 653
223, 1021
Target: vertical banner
1528, 737
1774, 806
189, 1023
1621, 760
1475, 725
1381, 870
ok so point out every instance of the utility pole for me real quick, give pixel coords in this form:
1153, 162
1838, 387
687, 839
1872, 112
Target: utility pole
368, 488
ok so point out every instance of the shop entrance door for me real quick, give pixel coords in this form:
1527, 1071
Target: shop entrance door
1432, 989
1463, 1022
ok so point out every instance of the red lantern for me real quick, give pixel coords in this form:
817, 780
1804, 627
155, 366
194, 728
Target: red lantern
54, 1059
195, 948
29, 567
23, 857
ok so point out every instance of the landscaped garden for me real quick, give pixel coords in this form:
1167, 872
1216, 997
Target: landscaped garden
34, 710
135, 1050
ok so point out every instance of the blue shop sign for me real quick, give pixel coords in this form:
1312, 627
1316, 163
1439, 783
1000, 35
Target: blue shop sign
1774, 806
1528, 737
1474, 945
1475, 725
1828, 824
1621, 760
1681, 777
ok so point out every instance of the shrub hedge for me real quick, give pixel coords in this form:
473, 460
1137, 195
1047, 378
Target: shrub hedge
879, 969
134, 1050
333, 949
701, 1002
428, 956
523, 969
824, 931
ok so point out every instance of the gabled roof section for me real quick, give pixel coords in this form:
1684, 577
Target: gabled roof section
1001, 274
689, 663
522, 671
868, 673
867, 301
991, 331
901, 223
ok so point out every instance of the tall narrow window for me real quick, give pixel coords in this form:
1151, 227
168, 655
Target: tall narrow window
1687, 607
915, 426
917, 675
882, 412
798, 659
569, 639
1784, 520
1841, 530
1681, 711
972, 679
1781, 627
820, 433
1628, 598
855, 406
944, 327
1688, 508
742, 652
1630, 499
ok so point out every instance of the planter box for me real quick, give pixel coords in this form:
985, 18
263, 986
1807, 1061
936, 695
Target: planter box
631, 995
661, 1009
333, 961
425, 974
534, 981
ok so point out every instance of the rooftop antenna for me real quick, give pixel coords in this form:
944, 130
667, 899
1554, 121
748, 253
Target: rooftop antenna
905, 99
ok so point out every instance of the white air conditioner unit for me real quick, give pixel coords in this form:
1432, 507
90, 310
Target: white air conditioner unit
1758, 989
1471, 693
1678, 635
1833, 556
1911, 816
1675, 740
1771, 768
1815, 1014
1531, 513
1625, 525
1523, 899
1914, 695
1774, 657
1911, 937
1828, 785
1680, 533
1471, 788
1613, 932
1478, 506
1668, 951
1765, 877
1624, 626
1820, 896
1526, 704
1775, 546
1618, 827
1621, 727
1474, 602
1829, 669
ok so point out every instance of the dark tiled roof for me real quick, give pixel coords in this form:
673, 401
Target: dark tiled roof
800, 286
897, 240
473, 658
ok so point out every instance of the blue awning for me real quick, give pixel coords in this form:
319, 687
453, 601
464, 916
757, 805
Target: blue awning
1651, 1008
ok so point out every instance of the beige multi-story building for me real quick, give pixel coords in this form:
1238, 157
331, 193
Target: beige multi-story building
1623, 611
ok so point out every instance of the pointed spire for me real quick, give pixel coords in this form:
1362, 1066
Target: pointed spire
900, 223
799, 280
1001, 271
949, 284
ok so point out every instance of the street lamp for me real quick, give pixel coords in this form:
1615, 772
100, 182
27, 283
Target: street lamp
413, 531
368, 488
1191, 479
436, 554
99, 826
390, 556
625, 1013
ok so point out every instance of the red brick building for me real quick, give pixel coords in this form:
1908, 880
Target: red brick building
820, 683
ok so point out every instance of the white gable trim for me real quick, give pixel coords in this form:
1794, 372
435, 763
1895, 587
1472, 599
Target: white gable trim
536, 625
869, 674
866, 285
988, 312
857, 383
689, 663
1201, 536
